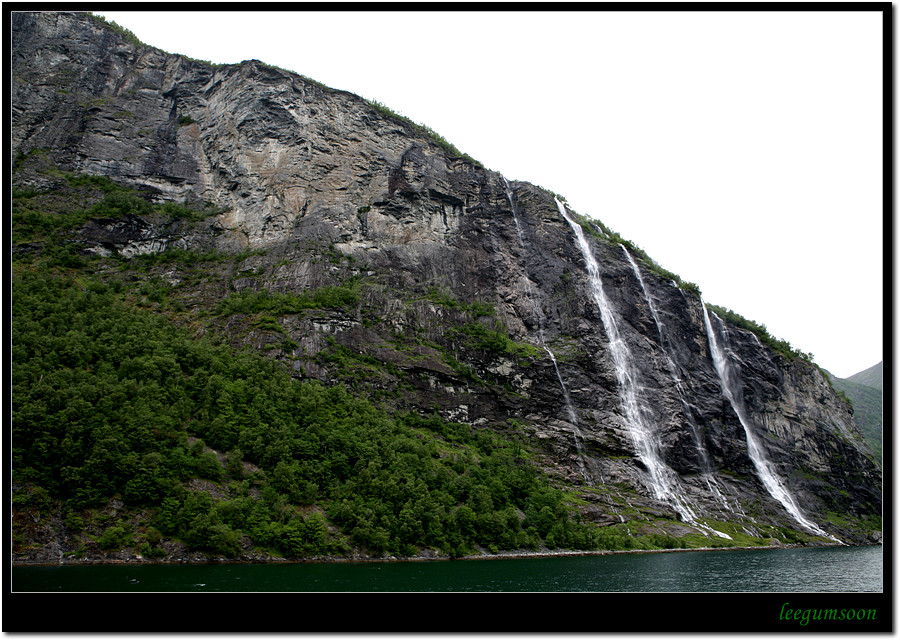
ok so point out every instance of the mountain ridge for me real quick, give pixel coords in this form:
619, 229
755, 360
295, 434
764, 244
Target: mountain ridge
251, 206
864, 389
871, 377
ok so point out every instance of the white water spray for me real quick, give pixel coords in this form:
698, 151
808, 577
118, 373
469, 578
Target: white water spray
570, 408
673, 372
711, 481
663, 482
731, 390
573, 417
512, 206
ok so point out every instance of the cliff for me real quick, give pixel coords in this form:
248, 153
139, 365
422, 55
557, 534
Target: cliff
488, 302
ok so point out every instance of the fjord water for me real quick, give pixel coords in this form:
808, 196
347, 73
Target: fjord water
811, 569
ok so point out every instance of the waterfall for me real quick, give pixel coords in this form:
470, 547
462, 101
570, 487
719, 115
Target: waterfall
573, 418
711, 481
728, 378
673, 372
570, 408
512, 206
535, 309
663, 482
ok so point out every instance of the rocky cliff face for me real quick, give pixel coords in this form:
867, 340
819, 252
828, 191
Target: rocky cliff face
476, 297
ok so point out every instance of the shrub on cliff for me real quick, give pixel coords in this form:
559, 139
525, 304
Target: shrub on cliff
115, 402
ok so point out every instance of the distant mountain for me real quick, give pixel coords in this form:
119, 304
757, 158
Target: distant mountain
864, 391
871, 377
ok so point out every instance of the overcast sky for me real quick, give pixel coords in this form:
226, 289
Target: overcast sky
740, 150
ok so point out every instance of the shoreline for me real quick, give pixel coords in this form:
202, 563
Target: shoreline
511, 555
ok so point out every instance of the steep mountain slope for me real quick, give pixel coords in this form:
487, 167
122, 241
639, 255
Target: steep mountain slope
871, 377
255, 207
864, 391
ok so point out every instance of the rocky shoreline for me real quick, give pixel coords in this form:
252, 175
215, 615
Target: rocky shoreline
125, 557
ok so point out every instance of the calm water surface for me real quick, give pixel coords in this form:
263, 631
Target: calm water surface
822, 569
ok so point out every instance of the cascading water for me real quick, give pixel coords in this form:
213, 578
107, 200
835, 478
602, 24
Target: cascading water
512, 206
711, 481
570, 408
573, 417
731, 390
663, 481
670, 364
539, 316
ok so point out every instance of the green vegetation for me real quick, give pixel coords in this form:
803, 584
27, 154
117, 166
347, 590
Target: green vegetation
46, 216
116, 401
490, 339
425, 130
600, 231
133, 39
122, 31
474, 332
351, 366
445, 298
437, 138
868, 410
250, 302
20, 159
184, 257
112, 401
872, 377
782, 347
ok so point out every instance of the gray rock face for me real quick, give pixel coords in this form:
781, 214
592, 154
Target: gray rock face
326, 188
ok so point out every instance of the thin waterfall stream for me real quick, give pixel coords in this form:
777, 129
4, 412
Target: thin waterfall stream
708, 474
539, 316
570, 408
662, 479
670, 364
731, 390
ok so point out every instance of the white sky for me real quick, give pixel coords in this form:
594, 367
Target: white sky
741, 150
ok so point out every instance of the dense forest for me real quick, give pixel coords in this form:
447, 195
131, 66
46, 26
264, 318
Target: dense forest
116, 401
255, 318
142, 417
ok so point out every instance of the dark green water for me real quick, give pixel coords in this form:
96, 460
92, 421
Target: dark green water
823, 569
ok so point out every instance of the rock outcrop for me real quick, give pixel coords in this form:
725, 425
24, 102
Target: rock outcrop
318, 187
